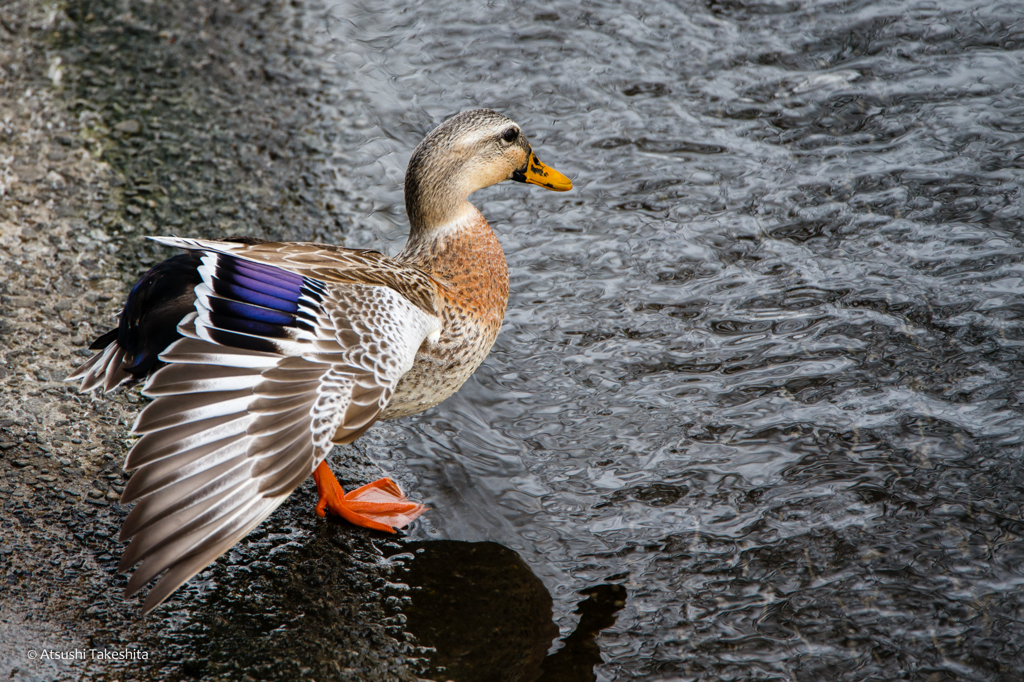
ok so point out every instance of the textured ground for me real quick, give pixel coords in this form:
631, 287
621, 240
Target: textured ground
119, 120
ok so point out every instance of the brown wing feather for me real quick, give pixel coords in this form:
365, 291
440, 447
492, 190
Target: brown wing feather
338, 265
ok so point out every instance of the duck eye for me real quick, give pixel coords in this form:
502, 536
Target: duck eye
510, 134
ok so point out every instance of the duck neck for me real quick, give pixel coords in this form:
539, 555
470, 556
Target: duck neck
448, 237
459, 234
434, 199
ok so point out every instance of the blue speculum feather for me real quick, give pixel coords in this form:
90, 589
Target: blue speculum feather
266, 273
248, 311
274, 272
248, 319
258, 300
252, 300
248, 295
257, 284
263, 287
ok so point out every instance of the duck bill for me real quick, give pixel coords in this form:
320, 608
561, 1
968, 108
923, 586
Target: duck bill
536, 173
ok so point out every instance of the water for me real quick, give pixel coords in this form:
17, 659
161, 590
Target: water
761, 368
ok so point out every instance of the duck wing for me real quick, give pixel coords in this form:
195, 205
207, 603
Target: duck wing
274, 367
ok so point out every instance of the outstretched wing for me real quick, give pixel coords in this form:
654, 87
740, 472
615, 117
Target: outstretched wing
273, 368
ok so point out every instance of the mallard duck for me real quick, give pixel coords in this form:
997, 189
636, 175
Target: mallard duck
262, 356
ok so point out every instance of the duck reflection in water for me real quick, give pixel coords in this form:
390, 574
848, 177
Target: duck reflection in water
488, 617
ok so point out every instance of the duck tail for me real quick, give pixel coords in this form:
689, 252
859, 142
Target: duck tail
148, 325
160, 300
106, 368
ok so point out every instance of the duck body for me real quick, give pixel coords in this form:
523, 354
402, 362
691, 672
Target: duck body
468, 260
271, 353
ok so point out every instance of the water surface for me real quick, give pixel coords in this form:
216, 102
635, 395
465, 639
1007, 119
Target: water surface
762, 366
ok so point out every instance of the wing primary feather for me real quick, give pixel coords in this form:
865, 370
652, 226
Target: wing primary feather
266, 448
275, 480
184, 494
183, 409
267, 406
159, 445
308, 371
288, 484
273, 390
181, 547
184, 569
268, 425
180, 378
162, 473
168, 528
196, 351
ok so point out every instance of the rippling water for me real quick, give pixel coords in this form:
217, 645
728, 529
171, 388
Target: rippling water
762, 367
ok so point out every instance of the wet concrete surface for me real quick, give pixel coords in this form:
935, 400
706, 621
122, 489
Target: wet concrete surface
117, 121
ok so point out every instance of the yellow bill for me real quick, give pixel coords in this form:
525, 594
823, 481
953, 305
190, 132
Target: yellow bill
536, 173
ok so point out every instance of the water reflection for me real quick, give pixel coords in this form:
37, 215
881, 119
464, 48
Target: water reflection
579, 654
488, 617
300, 595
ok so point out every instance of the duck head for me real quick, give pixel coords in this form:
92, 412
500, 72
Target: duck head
469, 151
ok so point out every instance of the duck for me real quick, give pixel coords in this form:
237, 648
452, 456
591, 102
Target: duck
261, 356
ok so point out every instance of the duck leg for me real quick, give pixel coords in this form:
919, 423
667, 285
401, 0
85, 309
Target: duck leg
380, 505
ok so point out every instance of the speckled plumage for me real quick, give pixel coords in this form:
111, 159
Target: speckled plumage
470, 262
290, 348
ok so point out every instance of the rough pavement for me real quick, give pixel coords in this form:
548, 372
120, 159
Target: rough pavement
114, 125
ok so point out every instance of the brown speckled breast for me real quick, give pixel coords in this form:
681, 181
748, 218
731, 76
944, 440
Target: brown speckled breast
470, 265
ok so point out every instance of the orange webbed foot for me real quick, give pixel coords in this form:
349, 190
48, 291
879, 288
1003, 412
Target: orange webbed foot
380, 505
